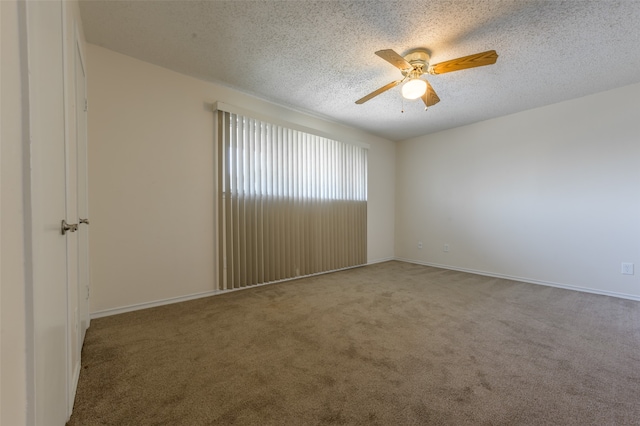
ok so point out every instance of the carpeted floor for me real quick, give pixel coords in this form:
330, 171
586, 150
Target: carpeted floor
387, 344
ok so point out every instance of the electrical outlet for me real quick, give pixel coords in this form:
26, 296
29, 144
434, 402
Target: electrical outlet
446, 247
420, 244
627, 268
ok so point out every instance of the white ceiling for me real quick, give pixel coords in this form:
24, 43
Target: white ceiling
318, 56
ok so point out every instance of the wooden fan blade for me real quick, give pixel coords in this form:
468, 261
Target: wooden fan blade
430, 98
394, 59
478, 60
377, 92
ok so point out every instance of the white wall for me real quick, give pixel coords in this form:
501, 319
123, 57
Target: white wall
13, 397
548, 195
151, 180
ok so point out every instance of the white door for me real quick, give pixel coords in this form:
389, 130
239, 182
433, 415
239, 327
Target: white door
76, 197
83, 192
73, 317
77, 205
47, 392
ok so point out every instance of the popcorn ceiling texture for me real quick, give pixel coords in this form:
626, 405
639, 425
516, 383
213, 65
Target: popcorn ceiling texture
318, 57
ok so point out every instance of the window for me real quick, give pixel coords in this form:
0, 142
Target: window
290, 203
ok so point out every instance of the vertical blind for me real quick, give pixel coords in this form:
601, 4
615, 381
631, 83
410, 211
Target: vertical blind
290, 203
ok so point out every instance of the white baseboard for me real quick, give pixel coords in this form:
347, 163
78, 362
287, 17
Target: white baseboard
153, 304
146, 305
525, 280
386, 259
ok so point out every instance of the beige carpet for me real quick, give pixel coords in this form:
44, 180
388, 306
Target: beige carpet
387, 344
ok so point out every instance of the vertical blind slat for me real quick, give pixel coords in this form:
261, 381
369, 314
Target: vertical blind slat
222, 165
289, 203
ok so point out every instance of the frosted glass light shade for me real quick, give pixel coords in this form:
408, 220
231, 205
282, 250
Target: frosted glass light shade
414, 88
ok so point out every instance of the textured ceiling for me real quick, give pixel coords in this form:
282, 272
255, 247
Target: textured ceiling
318, 56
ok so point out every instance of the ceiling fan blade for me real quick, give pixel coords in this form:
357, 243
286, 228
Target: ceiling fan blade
377, 92
478, 60
394, 59
430, 98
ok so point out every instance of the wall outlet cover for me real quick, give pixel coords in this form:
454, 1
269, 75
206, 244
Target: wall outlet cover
627, 268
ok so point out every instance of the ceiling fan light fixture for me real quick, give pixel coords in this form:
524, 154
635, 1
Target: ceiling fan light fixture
416, 63
414, 88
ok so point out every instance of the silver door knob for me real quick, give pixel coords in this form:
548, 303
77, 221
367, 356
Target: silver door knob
64, 227
85, 221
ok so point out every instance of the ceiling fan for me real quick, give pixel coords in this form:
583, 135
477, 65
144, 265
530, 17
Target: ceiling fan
416, 63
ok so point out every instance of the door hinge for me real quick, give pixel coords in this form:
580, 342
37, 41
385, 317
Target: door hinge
88, 292
86, 105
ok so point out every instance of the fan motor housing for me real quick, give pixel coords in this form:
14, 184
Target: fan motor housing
419, 60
